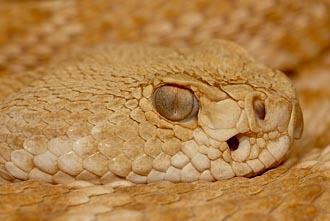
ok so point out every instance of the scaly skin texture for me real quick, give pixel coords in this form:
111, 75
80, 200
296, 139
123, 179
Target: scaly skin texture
282, 34
32, 32
93, 118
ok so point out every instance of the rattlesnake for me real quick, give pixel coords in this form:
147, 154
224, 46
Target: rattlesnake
149, 113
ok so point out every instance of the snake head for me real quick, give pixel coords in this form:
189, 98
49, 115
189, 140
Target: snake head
147, 114
243, 116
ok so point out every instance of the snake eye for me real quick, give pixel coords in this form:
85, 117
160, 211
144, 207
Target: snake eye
175, 103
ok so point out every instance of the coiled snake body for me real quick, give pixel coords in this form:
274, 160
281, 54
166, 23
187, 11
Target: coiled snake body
139, 113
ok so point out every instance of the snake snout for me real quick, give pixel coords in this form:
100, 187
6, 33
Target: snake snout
267, 113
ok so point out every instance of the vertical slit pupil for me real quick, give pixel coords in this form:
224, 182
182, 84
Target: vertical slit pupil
233, 143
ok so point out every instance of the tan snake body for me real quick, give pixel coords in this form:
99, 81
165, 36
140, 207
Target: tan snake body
149, 113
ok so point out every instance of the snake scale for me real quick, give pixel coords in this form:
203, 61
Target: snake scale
170, 108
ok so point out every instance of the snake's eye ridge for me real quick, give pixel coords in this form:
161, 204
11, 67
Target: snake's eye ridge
175, 103
259, 109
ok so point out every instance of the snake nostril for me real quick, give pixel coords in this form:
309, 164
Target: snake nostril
259, 109
233, 143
